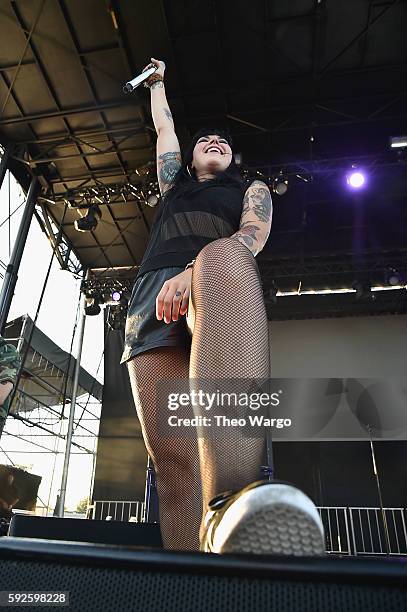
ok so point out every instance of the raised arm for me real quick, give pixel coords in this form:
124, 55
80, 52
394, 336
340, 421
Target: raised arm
255, 221
168, 150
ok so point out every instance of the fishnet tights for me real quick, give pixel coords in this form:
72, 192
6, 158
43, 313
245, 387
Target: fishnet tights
176, 460
230, 340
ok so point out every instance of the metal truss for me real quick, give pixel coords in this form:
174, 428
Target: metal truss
63, 249
331, 267
117, 193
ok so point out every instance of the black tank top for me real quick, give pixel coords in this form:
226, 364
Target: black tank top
185, 223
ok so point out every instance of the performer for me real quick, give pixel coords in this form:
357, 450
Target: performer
201, 258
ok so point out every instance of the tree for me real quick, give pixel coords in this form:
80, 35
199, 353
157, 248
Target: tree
82, 505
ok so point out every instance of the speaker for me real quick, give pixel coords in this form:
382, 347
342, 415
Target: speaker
105, 578
86, 530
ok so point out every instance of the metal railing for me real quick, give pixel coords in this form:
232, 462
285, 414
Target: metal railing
336, 526
117, 510
378, 533
348, 530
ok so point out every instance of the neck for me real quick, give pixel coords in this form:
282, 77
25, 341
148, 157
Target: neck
204, 176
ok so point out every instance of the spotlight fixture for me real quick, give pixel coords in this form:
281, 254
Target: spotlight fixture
393, 277
90, 220
93, 308
280, 184
152, 200
355, 178
116, 296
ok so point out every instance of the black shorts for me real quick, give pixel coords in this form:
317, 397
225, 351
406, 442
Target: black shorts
143, 330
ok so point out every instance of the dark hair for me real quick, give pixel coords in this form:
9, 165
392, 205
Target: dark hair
185, 184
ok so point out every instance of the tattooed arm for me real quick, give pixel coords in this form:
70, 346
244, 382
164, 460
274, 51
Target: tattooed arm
255, 221
168, 150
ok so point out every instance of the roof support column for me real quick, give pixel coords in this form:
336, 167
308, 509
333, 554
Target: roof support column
59, 509
11, 274
3, 166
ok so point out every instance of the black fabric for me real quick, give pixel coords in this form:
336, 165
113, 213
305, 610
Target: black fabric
143, 330
186, 223
121, 458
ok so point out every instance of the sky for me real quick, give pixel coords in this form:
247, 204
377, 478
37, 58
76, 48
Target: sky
56, 319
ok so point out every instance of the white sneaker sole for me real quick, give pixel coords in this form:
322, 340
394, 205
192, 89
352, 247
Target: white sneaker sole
271, 519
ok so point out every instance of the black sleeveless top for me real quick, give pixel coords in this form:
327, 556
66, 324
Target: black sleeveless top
186, 222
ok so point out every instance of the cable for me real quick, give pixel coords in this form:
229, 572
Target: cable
94, 379
9, 217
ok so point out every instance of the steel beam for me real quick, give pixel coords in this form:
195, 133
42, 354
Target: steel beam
75, 385
11, 275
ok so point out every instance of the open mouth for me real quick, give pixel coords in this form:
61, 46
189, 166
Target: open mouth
213, 150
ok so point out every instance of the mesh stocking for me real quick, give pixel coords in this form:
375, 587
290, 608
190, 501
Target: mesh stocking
176, 460
230, 340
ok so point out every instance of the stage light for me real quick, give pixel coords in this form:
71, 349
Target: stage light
152, 200
116, 296
280, 184
398, 142
90, 220
393, 277
93, 308
356, 179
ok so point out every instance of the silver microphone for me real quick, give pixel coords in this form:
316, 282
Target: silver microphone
131, 85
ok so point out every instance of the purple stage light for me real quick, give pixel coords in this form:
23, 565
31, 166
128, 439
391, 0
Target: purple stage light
356, 179
116, 296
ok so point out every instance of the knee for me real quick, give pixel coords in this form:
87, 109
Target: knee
174, 471
224, 260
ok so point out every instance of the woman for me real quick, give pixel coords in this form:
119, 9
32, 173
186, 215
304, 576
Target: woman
200, 259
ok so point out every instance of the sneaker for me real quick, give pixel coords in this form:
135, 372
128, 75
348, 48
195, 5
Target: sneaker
263, 518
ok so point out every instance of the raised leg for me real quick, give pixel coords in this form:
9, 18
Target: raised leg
230, 340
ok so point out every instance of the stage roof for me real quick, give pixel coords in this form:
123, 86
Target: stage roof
307, 86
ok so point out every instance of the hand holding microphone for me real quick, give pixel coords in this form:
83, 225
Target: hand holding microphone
156, 66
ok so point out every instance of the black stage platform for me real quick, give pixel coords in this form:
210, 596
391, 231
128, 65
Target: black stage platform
101, 577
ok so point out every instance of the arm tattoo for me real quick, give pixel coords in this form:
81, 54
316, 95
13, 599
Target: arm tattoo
256, 206
258, 199
169, 163
168, 114
247, 235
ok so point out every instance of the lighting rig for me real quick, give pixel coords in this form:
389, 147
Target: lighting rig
111, 293
89, 201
